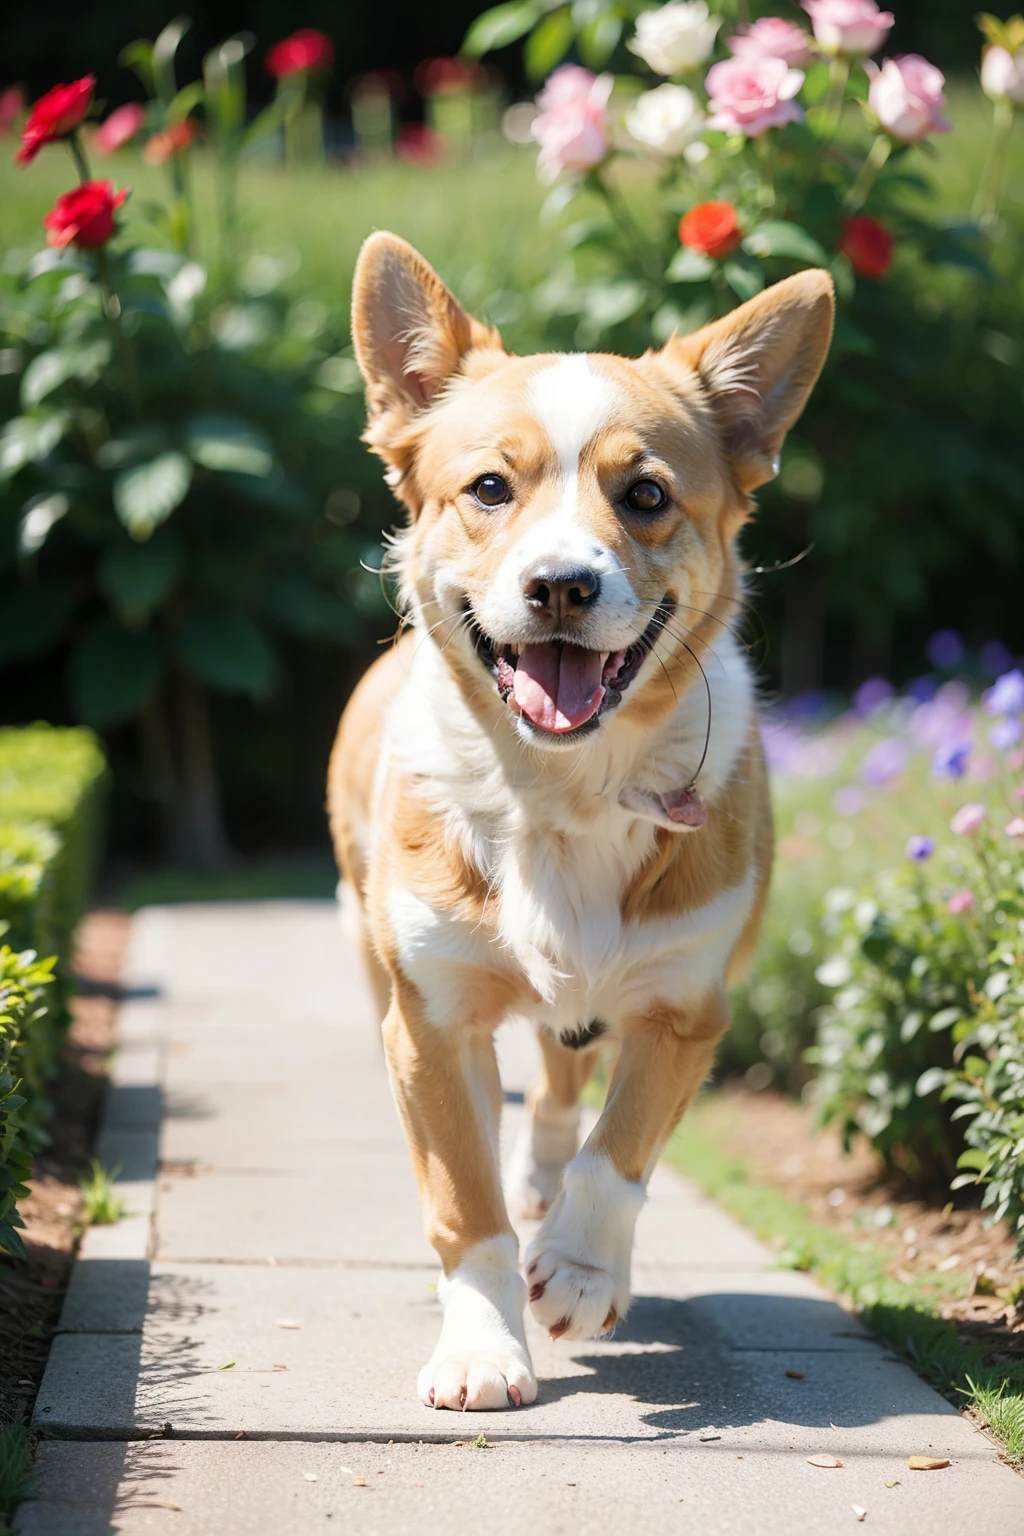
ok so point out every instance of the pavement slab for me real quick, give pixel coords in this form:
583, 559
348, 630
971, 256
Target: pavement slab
240, 1353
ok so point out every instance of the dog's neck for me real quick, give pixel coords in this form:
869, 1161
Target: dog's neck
473, 759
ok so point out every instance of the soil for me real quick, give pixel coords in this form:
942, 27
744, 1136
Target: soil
852, 1192
31, 1290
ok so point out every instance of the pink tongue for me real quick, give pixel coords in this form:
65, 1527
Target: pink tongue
558, 686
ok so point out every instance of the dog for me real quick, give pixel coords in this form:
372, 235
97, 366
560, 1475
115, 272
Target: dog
548, 800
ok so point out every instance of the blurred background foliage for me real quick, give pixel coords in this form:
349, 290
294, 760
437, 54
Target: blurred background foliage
905, 542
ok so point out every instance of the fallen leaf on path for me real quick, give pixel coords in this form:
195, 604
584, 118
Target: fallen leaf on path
280, 1367
894, 1484
359, 1482
309, 1477
927, 1463
240, 1435
711, 1437
795, 1375
229, 1367
861, 1514
822, 1460
287, 1322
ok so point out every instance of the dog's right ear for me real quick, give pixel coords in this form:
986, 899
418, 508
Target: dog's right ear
410, 335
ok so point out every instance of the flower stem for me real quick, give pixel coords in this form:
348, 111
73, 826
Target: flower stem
77, 154
112, 311
877, 155
838, 75
766, 180
990, 188
620, 212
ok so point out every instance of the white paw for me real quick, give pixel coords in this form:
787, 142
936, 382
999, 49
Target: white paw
577, 1267
481, 1361
546, 1143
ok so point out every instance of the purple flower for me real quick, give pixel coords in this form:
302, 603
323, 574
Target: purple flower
923, 689
871, 695
950, 760
995, 657
1006, 696
885, 760
847, 801
1005, 733
945, 649
920, 849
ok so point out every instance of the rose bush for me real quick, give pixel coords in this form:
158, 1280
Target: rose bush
902, 472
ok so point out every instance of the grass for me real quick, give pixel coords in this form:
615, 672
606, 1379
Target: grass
101, 1204
905, 1315
16, 1445
301, 878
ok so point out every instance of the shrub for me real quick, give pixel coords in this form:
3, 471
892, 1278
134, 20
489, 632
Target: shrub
178, 426
679, 203
52, 784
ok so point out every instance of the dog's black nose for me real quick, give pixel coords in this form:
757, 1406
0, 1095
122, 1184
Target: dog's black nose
560, 591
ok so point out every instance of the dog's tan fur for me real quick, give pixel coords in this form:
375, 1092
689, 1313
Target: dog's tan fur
446, 404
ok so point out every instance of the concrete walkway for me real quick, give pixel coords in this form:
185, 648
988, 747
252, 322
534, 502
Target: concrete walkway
240, 1353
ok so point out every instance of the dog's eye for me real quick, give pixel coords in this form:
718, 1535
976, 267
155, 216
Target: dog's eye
491, 490
645, 496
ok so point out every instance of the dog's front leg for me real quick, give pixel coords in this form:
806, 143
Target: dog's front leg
448, 1091
578, 1265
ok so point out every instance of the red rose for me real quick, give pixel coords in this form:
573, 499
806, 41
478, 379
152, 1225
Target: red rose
867, 244
12, 105
120, 127
84, 216
55, 115
305, 49
713, 229
163, 146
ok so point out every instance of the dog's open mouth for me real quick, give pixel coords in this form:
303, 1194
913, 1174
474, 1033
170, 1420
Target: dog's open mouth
561, 687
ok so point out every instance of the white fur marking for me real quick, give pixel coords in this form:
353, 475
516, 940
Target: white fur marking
482, 1351
580, 1258
572, 402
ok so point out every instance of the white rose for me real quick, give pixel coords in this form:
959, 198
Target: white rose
676, 38
666, 119
1002, 75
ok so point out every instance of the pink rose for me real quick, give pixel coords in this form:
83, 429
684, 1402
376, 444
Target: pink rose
753, 93
1002, 75
570, 127
960, 902
1015, 829
905, 95
120, 127
967, 820
853, 27
774, 38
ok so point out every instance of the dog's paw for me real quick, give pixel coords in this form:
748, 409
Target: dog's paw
577, 1267
572, 1300
478, 1381
481, 1362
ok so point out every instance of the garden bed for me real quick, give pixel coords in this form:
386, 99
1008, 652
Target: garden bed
32, 1289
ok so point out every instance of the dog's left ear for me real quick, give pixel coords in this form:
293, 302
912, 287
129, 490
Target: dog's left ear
758, 365
410, 334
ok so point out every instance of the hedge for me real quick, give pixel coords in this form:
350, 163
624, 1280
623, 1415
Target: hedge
52, 790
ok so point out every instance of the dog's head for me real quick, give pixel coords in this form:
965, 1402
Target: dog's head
573, 517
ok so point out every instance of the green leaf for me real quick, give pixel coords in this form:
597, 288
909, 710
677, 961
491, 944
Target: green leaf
744, 276
164, 50
689, 266
147, 494
974, 1157
930, 1080
501, 25
27, 439
598, 40
32, 619
188, 98
778, 237
136, 578
228, 443
944, 1019
138, 56
228, 651
113, 673
548, 43
53, 368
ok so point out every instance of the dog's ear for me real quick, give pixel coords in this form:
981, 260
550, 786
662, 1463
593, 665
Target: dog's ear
758, 365
410, 334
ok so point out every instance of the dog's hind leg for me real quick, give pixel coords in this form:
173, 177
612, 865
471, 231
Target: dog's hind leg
550, 1133
578, 1265
446, 1084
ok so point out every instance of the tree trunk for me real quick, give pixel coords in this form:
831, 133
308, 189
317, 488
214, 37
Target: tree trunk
178, 751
